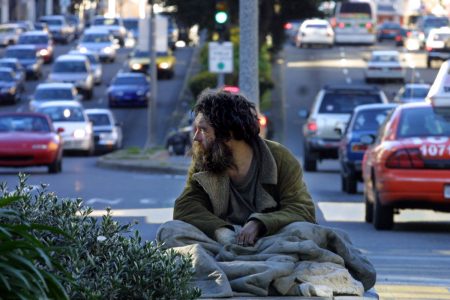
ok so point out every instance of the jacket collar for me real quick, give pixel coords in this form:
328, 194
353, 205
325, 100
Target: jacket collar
217, 185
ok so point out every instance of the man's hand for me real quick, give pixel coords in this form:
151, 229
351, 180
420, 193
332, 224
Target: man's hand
249, 233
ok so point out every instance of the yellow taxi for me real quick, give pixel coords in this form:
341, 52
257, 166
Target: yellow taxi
165, 62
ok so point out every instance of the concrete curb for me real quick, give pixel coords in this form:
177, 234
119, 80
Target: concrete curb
147, 166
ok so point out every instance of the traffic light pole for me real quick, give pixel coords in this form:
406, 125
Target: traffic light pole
248, 50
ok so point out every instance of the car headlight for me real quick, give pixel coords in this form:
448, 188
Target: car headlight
43, 52
79, 133
83, 49
136, 66
164, 65
107, 50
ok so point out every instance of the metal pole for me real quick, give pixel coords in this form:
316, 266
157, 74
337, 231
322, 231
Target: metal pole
152, 105
248, 50
220, 80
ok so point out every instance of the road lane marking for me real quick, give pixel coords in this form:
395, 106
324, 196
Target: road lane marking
102, 200
327, 63
355, 212
151, 215
345, 71
412, 292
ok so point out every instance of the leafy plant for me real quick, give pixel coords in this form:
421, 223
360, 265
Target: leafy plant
105, 259
25, 262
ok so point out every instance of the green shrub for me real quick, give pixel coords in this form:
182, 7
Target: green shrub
102, 260
25, 262
202, 81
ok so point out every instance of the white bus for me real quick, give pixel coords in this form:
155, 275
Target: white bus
354, 22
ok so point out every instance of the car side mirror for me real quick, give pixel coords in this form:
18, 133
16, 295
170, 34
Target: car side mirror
60, 130
367, 139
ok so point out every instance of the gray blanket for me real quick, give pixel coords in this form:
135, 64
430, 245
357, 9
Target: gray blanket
302, 259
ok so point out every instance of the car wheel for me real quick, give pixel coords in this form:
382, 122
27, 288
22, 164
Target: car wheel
309, 163
383, 215
351, 184
368, 80
56, 166
428, 63
89, 94
369, 209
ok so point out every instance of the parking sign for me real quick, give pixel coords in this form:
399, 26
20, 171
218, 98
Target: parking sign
220, 57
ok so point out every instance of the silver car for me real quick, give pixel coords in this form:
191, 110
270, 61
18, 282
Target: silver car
330, 113
96, 66
98, 41
107, 131
74, 69
9, 34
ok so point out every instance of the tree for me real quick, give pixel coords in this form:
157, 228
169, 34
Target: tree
273, 14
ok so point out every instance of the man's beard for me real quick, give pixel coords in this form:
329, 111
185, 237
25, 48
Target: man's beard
216, 158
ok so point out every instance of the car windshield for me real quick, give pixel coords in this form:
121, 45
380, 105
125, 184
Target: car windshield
63, 114
131, 24
344, 103
52, 22
384, 58
69, 67
436, 22
8, 65
33, 39
131, 80
7, 29
99, 119
415, 93
96, 38
423, 122
53, 94
6, 76
391, 26
23, 123
317, 26
21, 53
369, 120
106, 21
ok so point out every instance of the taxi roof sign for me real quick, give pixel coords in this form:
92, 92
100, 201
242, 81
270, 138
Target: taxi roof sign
439, 94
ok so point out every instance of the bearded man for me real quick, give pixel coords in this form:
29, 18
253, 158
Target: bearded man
238, 178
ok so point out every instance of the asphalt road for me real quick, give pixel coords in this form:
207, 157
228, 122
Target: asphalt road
416, 254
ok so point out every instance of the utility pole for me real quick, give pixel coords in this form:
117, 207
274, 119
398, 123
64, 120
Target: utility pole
249, 50
152, 104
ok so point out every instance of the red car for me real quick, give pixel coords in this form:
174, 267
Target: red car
29, 139
408, 166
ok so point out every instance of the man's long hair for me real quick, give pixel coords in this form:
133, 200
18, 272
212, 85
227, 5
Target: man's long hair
230, 114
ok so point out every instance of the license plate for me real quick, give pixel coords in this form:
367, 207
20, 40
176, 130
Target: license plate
447, 191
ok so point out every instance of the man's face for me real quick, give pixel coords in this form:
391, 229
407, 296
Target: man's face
209, 154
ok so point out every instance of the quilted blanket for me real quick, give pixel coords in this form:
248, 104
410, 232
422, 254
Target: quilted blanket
302, 259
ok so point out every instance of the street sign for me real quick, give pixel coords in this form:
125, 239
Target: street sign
220, 57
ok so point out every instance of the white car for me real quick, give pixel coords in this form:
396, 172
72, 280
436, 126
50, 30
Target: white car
107, 131
55, 91
315, 32
78, 134
412, 92
384, 65
438, 45
114, 25
99, 41
74, 69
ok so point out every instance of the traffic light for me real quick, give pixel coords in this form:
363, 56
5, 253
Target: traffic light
221, 19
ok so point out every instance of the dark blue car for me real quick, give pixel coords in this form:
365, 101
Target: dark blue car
365, 120
129, 89
28, 57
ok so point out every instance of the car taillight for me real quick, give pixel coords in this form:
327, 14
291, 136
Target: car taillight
398, 38
312, 126
429, 48
409, 34
369, 25
359, 147
341, 25
287, 26
405, 159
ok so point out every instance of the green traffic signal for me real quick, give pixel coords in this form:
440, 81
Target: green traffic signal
221, 17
